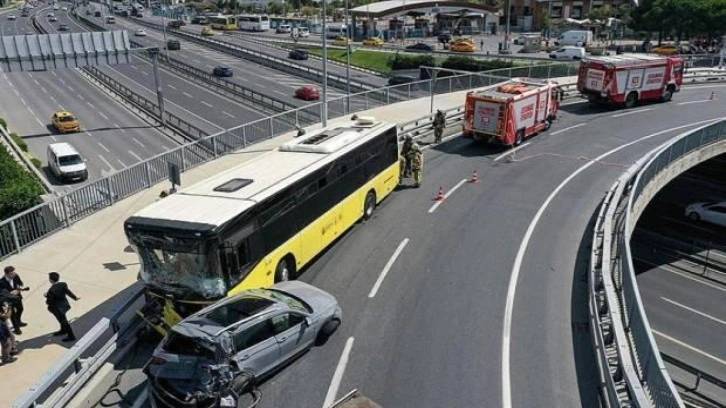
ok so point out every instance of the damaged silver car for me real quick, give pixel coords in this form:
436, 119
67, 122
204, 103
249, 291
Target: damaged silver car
216, 354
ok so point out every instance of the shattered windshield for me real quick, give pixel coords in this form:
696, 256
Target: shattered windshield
180, 265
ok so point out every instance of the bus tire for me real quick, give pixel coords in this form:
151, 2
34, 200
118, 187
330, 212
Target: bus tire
369, 204
519, 137
631, 100
285, 270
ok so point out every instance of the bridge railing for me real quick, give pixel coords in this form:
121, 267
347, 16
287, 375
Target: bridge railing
631, 368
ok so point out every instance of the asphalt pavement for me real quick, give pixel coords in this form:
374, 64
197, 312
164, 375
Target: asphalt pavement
681, 267
113, 137
486, 304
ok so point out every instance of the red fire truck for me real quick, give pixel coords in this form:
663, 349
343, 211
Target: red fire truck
508, 113
627, 79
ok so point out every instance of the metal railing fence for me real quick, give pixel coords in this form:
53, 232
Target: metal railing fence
632, 370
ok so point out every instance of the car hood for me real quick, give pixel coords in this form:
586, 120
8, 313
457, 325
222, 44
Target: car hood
72, 168
319, 300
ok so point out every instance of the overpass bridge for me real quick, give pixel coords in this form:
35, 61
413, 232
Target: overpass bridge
93, 257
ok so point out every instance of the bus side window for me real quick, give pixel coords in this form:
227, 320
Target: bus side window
244, 255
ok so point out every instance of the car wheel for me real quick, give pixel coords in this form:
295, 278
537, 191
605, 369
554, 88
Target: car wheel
694, 216
369, 204
285, 270
326, 331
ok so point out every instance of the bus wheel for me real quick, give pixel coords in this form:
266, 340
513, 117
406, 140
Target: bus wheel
631, 100
285, 270
369, 205
519, 137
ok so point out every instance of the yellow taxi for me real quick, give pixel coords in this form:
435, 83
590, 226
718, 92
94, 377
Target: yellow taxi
666, 50
65, 122
463, 45
341, 41
373, 42
207, 32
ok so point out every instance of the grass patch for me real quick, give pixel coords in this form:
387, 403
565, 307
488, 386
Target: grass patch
373, 60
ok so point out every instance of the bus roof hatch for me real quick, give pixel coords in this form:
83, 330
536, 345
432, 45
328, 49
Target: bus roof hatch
324, 141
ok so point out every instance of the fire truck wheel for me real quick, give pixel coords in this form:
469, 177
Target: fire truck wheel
548, 124
668, 95
519, 137
631, 100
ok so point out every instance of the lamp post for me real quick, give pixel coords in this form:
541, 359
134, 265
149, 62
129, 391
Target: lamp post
163, 29
347, 65
549, 20
324, 108
509, 18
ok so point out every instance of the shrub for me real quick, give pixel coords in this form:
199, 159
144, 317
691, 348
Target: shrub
3, 124
19, 190
37, 163
19, 141
401, 61
475, 65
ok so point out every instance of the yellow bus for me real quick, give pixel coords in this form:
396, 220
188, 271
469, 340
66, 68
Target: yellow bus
262, 221
226, 23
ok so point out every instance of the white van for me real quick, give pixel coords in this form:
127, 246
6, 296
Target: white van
579, 38
284, 29
66, 163
569, 53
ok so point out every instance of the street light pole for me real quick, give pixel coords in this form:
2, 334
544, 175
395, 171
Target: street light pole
324, 108
347, 66
163, 29
509, 18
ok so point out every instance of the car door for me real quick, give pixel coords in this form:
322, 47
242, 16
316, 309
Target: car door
256, 349
716, 214
292, 334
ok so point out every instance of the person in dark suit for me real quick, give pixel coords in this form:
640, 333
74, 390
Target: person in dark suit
58, 305
12, 283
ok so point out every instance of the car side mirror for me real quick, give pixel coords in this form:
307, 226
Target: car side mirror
307, 322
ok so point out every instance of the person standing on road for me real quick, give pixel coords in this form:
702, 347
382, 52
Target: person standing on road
12, 283
58, 305
439, 125
7, 340
416, 160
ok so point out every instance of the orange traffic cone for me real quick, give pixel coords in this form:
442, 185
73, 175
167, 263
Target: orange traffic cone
440, 195
474, 177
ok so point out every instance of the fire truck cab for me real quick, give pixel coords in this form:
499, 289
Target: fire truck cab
509, 112
627, 79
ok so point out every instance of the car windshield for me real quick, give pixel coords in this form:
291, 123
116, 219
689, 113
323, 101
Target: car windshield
70, 160
185, 346
179, 265
289, 300
66, 118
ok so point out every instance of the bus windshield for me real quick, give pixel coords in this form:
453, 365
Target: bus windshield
179, 265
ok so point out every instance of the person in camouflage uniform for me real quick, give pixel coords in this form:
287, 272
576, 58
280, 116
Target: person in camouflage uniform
416, 159
404, 157
439, 125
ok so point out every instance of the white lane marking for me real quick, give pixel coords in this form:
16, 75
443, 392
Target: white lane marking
103, 115
16, 92
671, 269
281, 93
691, 102
197, 61
187, 95
23, 101
619, 115
89, 104
209, 66
688, 346
134, 67
508, 152
387, 268
136, 156
104, 147
566, 129
139, 143
103, 159
123, 165
206, 104
446, 196
71, 89
172, 87
36, 81
338, 374
690, 309
43, 89
229, 114
144, 73
119, 128
516, 268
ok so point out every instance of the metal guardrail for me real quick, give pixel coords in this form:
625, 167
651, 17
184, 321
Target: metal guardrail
632, 370
63, 381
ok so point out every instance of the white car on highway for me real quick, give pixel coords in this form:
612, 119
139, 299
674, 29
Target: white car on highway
709, 211
11, 17
140, 32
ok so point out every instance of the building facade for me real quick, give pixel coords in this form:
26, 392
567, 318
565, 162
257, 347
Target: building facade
530, 15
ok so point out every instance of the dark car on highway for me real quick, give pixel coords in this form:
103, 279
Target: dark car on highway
63, 27
400, 79
173, 45
298, 54
222, 71
423, 47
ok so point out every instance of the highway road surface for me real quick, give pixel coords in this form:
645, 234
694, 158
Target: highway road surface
113, 137
479, 300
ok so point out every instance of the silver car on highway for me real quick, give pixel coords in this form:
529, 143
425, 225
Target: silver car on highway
709, 211
240, 339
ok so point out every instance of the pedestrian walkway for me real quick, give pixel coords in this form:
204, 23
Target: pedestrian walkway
94, 258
